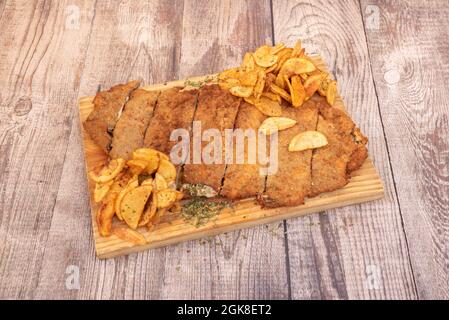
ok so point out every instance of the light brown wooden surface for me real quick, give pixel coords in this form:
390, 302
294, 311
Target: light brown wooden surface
395, 248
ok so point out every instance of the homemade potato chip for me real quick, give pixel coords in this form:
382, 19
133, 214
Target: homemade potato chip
101, 190
129, 235
275, 124
268, 107
296, 66
248, 63
297, 92
167, 170
277, 48
251, 100
229, 74
312, 84
260, 85
331, 92
248, 78
297, 50
149, 212
228, 83
264, 58
307, 140
159, 182
106, 211
281, 92
137, 166
165, 198
283, 56
147, 182
133, 204
113, 169
150, 156
133, 183
272, 96
241, 91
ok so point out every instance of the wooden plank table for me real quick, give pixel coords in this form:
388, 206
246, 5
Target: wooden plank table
392, 64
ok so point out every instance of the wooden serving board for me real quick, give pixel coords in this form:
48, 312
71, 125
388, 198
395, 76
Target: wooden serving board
365, 185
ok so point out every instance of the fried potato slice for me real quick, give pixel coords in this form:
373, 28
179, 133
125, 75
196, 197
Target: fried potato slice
296, 66
272, 96
308, 140
101, 190
277, 48
297, 91
264, 58
137, 166
229, 74
248, 63
331, 92
312, 84
251, 100
159, 182
106, 212
132, 184
150, 156
241, 91
133, 204
228, 83
281, 92
104, 218
147, 182
275, 124
165, 198
149, 212
248, 78
167, 170
260, 84
113, 169
297, 50
268, 107
283, 56
129, 235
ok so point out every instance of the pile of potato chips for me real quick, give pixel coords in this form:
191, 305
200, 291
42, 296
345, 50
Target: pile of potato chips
272, 74
137, 192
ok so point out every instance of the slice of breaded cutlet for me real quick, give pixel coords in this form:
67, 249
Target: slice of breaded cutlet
292, 182
244, 180
174, 110
217, 109
131, 127
107, 107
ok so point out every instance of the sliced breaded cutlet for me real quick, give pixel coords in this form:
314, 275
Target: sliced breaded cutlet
343, 122
174, 110
217, 109
291, 184
107, 107
130, 129
245, 180
345, 152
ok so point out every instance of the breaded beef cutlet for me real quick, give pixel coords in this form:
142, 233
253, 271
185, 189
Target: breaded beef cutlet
329, 163
292, 182
107, 106
245, 180
343, 122
217, 109
174, 110
130, 129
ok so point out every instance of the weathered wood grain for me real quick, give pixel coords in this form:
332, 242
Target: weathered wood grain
337, 254
410, 61
41, 61
127, 41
